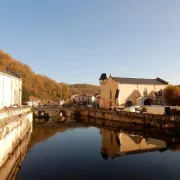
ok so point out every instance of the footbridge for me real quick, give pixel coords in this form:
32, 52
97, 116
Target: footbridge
59, 111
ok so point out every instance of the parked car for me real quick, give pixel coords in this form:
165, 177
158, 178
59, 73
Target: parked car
118, 108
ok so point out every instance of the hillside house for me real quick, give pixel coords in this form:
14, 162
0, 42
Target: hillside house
73, 97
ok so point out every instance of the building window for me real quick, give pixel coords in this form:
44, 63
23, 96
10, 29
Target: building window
160, 93
145, 92
110, 95
83, 99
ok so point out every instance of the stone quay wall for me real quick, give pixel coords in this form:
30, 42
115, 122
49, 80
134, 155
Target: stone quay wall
12, 165
133, 118
14, 125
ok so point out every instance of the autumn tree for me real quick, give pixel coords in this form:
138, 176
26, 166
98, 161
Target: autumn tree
40, 86
172, 95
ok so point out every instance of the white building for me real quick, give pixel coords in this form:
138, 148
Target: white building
10, 89
89, 99
73, 97
32, 103
61, 102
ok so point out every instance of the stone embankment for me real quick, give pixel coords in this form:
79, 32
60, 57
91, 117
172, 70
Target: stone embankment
134, 118
15, 124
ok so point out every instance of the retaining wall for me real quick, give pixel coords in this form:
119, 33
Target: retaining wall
14, 125
133, 118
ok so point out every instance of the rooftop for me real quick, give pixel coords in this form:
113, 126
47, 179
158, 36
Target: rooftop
123, 80
10, 73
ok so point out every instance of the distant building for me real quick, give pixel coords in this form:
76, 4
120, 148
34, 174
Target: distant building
10, 89
116, 91
61, 102
89, 99
73, 97
56, 102
32, 103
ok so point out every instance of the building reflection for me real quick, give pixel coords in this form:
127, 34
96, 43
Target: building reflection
120, 143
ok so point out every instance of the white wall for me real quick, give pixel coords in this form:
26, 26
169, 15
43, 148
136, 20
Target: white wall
12, 133
1, 91
74, 97
10, 90
85, 98
7, 91
126, 91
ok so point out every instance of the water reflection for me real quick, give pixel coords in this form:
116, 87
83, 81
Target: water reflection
54, 119
76, 150
10, 168
40, 121
120, 143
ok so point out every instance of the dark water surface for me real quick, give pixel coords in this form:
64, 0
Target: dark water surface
80, 152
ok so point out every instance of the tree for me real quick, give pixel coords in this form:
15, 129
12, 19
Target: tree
41, 86
65, 91
172, 95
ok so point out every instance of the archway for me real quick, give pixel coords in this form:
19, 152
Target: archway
129, 103
148, 102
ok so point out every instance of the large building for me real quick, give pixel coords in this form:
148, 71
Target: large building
10, 89
116, 91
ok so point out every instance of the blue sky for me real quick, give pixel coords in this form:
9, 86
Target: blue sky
74, 41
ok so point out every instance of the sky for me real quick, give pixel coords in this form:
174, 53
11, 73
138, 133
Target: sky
74, 41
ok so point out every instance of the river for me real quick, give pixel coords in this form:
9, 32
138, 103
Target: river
78, 150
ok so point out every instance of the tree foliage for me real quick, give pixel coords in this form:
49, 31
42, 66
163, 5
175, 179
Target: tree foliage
40, 86
172, 95
84, 89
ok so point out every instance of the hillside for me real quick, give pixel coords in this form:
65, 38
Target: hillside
41, 86
84, 89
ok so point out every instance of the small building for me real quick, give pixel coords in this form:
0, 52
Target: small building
56, 102
118, 91
73, 97
61, 102
33, 101
85, 99
10, 89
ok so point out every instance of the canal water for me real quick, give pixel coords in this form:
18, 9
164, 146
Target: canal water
80, 151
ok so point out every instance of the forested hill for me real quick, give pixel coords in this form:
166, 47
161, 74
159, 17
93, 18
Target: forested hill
84, 89
41, 86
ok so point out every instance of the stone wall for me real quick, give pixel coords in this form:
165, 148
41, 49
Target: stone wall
14, 125
133, 118
13, 112
11, 166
